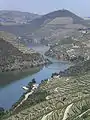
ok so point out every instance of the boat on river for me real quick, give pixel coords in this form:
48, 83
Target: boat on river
25, 88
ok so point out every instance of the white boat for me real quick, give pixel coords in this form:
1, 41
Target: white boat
25, 88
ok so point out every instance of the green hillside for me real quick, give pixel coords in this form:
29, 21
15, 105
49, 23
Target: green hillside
16, 42
71, 47
64, 98
16, 56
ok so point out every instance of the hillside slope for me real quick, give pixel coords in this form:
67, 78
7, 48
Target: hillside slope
71, 47
56, 25
59, 98
16, 17
16, 56
52, 26
59, 13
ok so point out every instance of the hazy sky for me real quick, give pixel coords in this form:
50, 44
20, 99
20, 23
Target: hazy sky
80, 7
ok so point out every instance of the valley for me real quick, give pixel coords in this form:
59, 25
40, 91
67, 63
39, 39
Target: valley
49, 57
63, 98
50, 27
18, 79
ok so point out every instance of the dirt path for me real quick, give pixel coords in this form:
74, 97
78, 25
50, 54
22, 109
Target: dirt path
67, 111
26, 97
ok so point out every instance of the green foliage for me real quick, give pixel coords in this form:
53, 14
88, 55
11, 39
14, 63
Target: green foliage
84, 108
78, 69
37, 97
61, 93
33, 81
2, 112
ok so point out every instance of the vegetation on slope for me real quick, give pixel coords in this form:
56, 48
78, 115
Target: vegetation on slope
59, 13
68, 98
11, 58
16, 17
16, 56
74, 48
78, 69
41, 27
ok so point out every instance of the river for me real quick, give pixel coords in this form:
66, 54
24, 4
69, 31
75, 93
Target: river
11, 92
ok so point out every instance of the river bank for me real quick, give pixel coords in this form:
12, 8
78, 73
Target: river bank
30, 98
19, 105
74, 71
59, 98
9, 94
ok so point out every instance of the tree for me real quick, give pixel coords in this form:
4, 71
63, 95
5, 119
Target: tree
33, 80
1, 112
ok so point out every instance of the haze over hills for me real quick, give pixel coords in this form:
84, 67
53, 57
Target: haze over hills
64, 96
53, 26
59, 13
57, 24
16, 17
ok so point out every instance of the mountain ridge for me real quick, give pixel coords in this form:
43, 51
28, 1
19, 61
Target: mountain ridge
9, 17
58, 13
39, 27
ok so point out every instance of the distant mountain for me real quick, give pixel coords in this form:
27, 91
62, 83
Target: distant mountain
16, 17
52, 26
87, 21
59, 13
56, 25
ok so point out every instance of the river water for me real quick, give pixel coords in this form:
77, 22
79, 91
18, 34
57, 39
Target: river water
11, 92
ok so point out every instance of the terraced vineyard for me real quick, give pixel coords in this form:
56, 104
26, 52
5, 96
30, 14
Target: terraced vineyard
16, 56
68, 99
12, 39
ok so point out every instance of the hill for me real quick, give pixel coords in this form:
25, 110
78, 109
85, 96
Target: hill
16, 17
59, 98
16, 56
59, 13
52, 26
56, 25
73, 48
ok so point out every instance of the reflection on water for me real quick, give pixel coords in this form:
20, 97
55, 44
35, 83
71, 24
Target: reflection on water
8, 77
